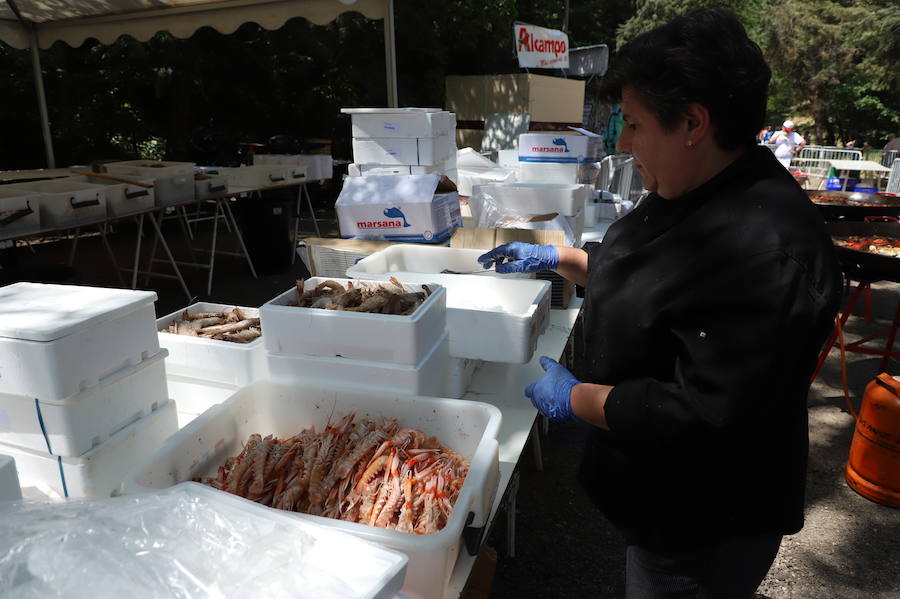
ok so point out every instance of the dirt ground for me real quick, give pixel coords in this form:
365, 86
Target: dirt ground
849, 549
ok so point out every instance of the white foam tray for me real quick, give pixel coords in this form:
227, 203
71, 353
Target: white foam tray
208, 189
537, 198
65, 204
468, 427
494, 319
142, 168
211, 359
58, 340
101, 471
74, 425
389, 338
428, 377
123, 199
20, 212
9, 480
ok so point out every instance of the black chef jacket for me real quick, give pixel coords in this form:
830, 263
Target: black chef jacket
706, 313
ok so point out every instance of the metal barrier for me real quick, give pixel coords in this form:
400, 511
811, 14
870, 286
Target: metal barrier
893, 184
829, 153
888, 157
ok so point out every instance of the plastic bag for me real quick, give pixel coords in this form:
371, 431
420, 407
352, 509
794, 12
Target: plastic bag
182, 542
488, 214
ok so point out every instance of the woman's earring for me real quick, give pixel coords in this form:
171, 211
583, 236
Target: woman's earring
690, 142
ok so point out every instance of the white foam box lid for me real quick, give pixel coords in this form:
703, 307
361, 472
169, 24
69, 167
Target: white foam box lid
214, 187
537, 198
57, 340
102, 471
68, 203
211, 359
9, 480
144, 168
20, 212
390, 338
468, 427
399, 151
428, 377
74, 425
401, 122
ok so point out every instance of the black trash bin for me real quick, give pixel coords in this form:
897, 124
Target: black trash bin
265, 225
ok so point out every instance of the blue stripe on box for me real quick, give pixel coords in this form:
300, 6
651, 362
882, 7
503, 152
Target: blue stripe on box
40, 417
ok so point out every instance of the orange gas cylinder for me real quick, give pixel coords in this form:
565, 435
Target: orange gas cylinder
873, 469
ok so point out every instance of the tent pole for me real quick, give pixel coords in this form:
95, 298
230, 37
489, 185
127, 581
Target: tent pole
390, 54
42, 99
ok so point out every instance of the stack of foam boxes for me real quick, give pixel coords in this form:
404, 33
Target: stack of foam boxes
82, 386
384, 352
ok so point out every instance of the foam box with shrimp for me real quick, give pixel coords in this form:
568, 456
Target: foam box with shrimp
266, 407
386, 338
101, 471
59, 340
210, 359
74, 425
495, 319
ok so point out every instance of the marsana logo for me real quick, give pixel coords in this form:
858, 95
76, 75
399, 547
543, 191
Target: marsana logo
393, 212
559, 146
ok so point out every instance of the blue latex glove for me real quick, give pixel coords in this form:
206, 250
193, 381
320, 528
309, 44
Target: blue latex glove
551, 395
516, 256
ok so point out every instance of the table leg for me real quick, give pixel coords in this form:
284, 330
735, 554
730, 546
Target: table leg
156, 225
510, 505
312, 212
74, 247
112, 257
137, 251
212, 250
165, 246
230, 217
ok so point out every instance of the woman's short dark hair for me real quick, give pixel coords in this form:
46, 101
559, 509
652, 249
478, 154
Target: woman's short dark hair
703, 56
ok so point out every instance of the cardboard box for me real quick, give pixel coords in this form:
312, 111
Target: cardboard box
399, 151
332, 257
400, 122
410, 208
553, 147
561, 290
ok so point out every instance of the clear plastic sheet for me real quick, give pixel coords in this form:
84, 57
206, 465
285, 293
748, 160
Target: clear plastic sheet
178, 543
488, 214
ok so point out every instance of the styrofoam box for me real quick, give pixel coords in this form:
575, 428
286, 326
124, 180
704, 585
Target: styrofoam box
400, 122
388, 338
149, 168
366, 170
266, 407
548, 172
537, 198
576, 223
428, 377
417, 258
194, 396
72, 426
10, 490
174, 189
210, 359
66, 204
101, 471
123, 199
460, 375
57, 340
20, 212
265, 175
490, 318
319, 166
396, 150
214, 187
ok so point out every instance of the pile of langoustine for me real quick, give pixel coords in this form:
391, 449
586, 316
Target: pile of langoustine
362, 297
227, 325
367, 471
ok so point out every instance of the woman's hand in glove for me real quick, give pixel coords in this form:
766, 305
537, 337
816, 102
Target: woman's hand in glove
516, 256
552, 394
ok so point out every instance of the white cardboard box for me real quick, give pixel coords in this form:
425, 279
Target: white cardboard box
396, 150
76, 424
400, 122
554, 147
409, 208
390, 338
210, 359
468, 427
58, 340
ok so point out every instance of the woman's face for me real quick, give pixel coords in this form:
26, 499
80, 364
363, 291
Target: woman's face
660, 155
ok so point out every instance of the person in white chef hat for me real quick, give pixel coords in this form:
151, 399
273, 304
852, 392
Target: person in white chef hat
787, 143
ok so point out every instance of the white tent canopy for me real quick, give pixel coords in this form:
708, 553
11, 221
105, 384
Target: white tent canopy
40, 23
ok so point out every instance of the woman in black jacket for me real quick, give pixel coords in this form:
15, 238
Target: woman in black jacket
705, 308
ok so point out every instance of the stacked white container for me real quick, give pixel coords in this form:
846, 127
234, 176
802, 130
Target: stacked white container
173, 181
387, 352
82, 385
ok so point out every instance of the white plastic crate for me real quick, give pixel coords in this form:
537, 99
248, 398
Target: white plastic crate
101, 471
387, 338
469, 428
428, 377
210, 359
149, 168
66, 204
58, 340
74, 425
536, 198
20, 212
9, 480
265, 175
123, 199
211, 188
